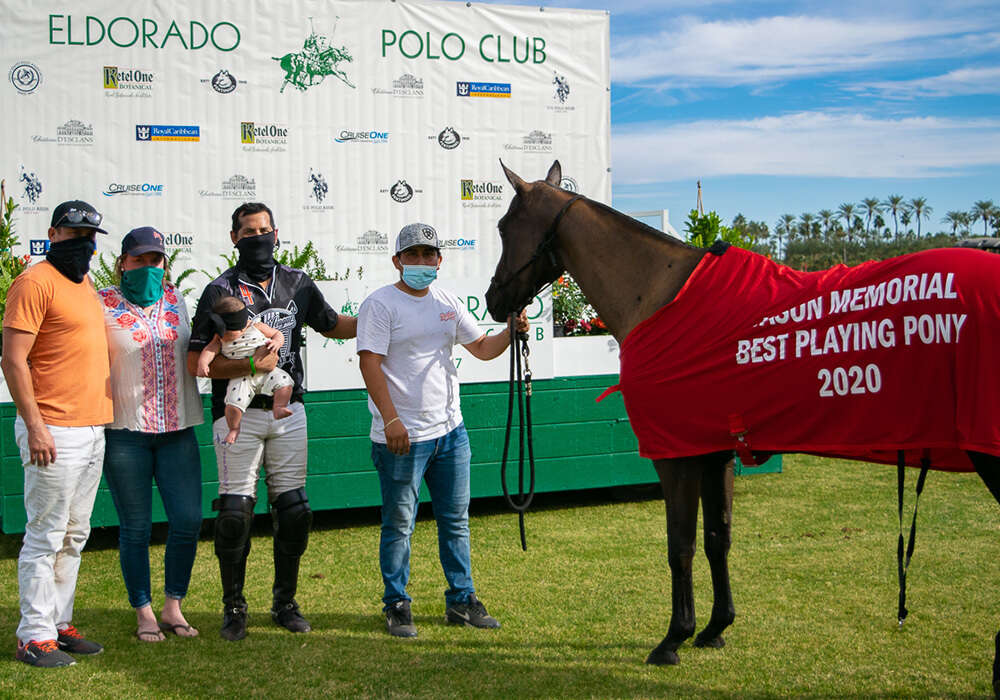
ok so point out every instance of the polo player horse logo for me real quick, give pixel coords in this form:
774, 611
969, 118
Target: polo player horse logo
32, 185
314, 62
320, 187
562, 87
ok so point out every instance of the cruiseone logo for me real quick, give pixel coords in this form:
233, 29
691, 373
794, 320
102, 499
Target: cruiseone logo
481, 193
25, 77
405, 85
130, 82
533, 142
72, 133
448, 138
362, 136
238, 187
458, 244
317, 60
38, 246
257, 136
163, 132
223, 82
470, 89
138, 189
401, 191
560, 94
371, 242
318, 191
569, 184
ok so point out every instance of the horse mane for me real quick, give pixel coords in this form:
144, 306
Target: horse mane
624, 220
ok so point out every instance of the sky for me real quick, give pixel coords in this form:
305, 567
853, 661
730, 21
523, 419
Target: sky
792, 107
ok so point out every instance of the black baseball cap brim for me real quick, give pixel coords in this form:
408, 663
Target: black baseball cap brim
78, 204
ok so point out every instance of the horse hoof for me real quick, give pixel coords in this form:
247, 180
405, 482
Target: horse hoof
710, 643
663, 657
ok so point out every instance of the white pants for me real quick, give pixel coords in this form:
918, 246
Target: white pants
280, 445
241, 390
58, 500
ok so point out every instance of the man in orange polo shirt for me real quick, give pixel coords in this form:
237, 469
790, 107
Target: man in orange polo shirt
55, 361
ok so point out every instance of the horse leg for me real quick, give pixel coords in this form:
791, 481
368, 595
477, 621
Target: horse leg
717, 509
988, 468
680, 480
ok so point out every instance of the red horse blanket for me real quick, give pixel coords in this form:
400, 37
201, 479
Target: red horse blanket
852, 362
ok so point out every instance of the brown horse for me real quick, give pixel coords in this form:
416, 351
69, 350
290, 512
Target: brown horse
628, 271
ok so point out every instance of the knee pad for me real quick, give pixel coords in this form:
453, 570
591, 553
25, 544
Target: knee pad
292, 520
232, 525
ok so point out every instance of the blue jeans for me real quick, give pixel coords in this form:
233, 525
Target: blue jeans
131, 461
444, 464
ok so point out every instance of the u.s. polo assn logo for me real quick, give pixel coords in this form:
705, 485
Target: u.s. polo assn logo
319, 190
560, 95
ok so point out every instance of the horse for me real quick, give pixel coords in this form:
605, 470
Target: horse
630, 272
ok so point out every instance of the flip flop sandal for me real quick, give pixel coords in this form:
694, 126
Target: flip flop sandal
150, 636
172, 629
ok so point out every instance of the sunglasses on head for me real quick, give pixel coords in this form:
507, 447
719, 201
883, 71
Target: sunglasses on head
78, 216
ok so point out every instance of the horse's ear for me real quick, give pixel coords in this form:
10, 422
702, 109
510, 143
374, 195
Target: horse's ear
513, 178
555, 174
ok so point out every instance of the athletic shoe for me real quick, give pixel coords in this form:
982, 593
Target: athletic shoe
289, 617
471, 613
399, 620
234, 623
72, 641
44, 654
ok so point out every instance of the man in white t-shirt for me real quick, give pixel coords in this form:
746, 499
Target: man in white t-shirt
406, 332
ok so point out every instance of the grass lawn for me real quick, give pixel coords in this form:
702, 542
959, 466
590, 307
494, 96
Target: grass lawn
813, 575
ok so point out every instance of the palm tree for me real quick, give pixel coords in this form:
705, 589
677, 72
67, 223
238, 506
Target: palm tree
847, 213
783, 226
955, 219
826, 218
871, 207
921, 209
982, 209
894, 203
806, 220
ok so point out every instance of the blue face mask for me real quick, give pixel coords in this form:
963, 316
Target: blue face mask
419, 276
143, 286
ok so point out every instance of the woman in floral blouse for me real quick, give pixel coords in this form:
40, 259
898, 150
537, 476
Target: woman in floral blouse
156, 404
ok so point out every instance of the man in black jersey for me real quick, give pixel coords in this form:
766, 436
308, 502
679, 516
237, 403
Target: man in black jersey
283, 298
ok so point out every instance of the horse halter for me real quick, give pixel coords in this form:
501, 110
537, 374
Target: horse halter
544, 247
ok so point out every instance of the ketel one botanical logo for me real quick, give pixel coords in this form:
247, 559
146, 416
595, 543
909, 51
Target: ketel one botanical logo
448, 139
314, 62
404, 86
401, 191
162, 132
32, 186
237, 187
468, 89
370, 242
72, 133
25, 76
362, 136
179, 241
569, 184
138, 189
318, 192
481, 193
257, 136
223, 82
130, 82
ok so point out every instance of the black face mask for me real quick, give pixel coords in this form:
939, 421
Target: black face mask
72, 257
256, 256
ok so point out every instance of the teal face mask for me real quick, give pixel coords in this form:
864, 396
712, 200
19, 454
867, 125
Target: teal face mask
143, 286
419, 276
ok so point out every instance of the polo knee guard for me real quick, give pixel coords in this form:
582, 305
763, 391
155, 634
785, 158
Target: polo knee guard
292, 520
232, 544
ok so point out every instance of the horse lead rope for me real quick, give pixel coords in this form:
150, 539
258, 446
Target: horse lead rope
519, 348
902, 566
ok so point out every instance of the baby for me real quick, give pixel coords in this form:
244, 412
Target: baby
238, 338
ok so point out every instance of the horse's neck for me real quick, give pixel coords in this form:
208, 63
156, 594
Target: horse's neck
626, 271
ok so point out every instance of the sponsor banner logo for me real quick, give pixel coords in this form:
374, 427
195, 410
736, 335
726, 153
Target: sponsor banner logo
469, 89
130, 82
72, 133
236, 187
163, 132
257, 136
560, 95
481, 193
142, 32
223, 82
366, 136
459, 244
138, 189
38, 246
534, 142
317, 60
32, 192
181, 242
401, 191
318, 191
404, 86
448, 138
569, 184
371, 242
25, 77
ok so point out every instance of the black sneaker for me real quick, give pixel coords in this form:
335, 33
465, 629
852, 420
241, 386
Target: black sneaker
289, 617
43, 654
472, 613
399, 620
234, 623
72, 641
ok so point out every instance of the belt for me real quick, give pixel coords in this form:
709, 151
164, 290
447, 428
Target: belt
267, 402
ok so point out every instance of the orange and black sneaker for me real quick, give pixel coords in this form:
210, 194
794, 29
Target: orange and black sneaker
72, 641
44, 654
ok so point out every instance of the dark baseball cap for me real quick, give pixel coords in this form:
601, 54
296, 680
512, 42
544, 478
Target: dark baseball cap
77, 214
144, 239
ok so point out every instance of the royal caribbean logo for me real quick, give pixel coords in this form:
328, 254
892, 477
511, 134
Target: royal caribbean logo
481, 193
163, 132
534, 142
25, 77
468, 89
560, 94
317, 60
318, 192
401, 191
404, 86
569, 184
448, 138
72, 133
372, 136
256, 136
139, 189
38, 246
223, 82
238, 187
130, 82
371, 242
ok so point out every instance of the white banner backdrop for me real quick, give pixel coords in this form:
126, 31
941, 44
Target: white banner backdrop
349, 119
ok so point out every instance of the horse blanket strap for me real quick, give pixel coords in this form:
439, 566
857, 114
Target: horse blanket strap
901, 565
739, 433
519, 351
822, 362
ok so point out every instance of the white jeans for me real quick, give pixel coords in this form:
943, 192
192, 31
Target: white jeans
58, 500
280, 445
